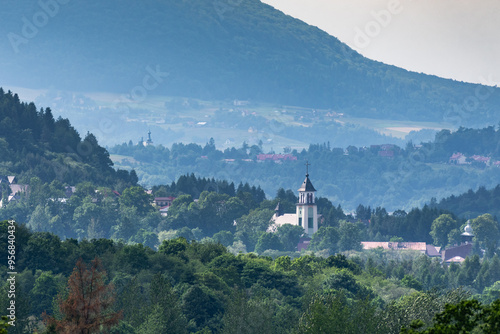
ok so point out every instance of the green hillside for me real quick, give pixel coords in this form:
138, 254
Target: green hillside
34, 144
217, 50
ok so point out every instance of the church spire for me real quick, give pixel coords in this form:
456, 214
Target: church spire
307, 185
307, 214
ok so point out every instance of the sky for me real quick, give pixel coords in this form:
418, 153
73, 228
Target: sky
454, 39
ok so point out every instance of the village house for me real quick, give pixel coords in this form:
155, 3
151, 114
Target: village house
458, 159
15, 189
164, 201
459, 253
455, 254
164, 204
479, 158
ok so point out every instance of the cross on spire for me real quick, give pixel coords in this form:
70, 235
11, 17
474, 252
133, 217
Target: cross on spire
307, 167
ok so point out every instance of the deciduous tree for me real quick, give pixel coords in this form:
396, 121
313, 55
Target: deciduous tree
440, 229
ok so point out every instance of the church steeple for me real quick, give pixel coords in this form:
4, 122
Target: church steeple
468, 234
307, 214
306, 190
149, 141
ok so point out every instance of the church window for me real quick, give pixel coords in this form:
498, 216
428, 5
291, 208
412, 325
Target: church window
310, 219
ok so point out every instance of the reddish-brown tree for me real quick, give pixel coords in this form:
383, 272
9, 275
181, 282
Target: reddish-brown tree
88, 307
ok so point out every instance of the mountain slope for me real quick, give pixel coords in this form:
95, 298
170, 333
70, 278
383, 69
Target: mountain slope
215, 50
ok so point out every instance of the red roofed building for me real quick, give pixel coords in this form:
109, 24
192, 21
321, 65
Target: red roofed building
456, 254
164, 201
459, 253
458, 159
421, 247
386, 154
303, 244
479, 158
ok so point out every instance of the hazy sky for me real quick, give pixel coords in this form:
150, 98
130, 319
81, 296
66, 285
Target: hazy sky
458, 39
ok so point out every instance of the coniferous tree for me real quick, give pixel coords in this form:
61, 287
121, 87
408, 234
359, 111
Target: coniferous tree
165, 314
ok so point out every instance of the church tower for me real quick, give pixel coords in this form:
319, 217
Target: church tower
149, 141
307, 211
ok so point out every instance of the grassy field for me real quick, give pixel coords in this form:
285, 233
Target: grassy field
395, 128
116, 158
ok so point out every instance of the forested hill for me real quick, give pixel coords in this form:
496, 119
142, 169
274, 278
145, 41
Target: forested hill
33, 144
217, 50
379, 175
472, 203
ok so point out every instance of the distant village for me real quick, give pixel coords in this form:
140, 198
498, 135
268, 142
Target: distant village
388, 151
460, 159
456, 254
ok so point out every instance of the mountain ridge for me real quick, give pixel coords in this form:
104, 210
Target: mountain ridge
222, 50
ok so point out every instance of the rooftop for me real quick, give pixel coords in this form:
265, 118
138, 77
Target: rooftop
307, 185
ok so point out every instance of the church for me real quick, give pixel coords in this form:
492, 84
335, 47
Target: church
306, 214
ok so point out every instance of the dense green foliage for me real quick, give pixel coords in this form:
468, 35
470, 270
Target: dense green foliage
468, 316
224, 50
91, 212
33, 144
473, 203
465, 140
193, 286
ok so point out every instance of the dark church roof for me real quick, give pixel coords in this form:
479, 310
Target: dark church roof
307, 185
461, 251
279, 210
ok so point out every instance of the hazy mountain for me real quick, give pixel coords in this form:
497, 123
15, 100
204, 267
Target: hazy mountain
217, 50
